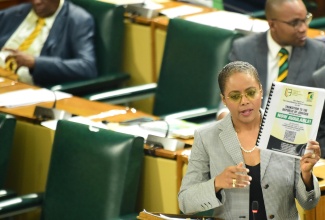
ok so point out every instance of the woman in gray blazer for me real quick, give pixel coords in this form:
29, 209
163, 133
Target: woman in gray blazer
226, 171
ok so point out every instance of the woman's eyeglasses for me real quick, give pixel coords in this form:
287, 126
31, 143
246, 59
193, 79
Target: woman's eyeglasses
250, 93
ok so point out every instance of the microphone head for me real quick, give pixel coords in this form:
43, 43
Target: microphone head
254, 206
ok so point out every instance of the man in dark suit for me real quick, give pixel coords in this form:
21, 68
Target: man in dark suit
288, 21
64, 49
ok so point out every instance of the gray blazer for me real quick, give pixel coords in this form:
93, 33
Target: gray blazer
306, 66
215, 148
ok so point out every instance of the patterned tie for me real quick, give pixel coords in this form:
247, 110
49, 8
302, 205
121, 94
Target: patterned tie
30, 39
283, 65
11, 64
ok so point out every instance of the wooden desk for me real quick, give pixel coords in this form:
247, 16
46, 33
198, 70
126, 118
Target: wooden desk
74, 105
156, 216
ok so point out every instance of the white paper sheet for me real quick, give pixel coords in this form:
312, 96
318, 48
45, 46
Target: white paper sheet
25, 97
230, 21
180, 11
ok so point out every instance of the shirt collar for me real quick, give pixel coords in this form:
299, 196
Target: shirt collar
48, 20
274, 47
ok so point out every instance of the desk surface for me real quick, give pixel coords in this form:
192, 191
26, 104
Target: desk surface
319, 171
74, 105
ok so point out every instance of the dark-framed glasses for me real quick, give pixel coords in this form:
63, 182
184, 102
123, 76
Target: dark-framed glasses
250, 93
297, 22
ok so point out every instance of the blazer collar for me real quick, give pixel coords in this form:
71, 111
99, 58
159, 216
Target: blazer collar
58, 27
298, 54
232, 145
261, 61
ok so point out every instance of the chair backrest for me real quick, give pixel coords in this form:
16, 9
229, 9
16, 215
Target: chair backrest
7, 130
193, 55
109, 34
94, 173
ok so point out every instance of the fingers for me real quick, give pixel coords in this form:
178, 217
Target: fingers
233, 177
313, 146
9, 50
313, 151
308, 161
241, 180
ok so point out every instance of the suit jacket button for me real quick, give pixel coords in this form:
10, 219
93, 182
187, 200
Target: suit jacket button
271, 216
266, 186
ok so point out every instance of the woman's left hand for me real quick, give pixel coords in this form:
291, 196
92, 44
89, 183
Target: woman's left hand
308, 161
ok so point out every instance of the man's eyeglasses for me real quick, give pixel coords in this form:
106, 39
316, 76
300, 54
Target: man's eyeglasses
297, 22
250, 93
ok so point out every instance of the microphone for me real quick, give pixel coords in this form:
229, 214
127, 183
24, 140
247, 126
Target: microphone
254, 208
43, 113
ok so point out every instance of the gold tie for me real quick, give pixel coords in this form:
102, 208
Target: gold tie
30, 39
11, 64
283, 65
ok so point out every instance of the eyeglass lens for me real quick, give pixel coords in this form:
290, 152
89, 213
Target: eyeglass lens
236, 96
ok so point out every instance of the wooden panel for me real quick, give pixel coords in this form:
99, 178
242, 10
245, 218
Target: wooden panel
320, 210
8, 3
320, 12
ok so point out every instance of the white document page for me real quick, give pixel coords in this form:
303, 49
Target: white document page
230, 21
25, 97
180, 11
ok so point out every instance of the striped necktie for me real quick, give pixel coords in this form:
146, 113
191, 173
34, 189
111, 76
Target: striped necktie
30, 39
11, 64
283, 65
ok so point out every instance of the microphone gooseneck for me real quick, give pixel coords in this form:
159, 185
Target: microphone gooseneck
54, 102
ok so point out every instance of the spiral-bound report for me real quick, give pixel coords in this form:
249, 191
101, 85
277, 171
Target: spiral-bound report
291, 118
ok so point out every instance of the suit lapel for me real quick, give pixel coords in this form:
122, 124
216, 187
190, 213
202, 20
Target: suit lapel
265, 157
231, 144
294, 64
58, 28
261, 61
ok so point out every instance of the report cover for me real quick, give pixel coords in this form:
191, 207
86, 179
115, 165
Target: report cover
291, 118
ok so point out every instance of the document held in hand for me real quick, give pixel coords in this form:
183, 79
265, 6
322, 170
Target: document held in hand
291, 118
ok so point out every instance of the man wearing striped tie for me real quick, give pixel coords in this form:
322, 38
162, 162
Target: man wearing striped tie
284, 52
47, 42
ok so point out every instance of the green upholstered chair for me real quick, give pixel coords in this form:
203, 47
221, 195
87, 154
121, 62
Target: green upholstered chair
94, 174
109, 38
193, 56
318, 23
7, 130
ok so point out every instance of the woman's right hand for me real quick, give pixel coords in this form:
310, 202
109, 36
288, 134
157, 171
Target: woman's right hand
233, 177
